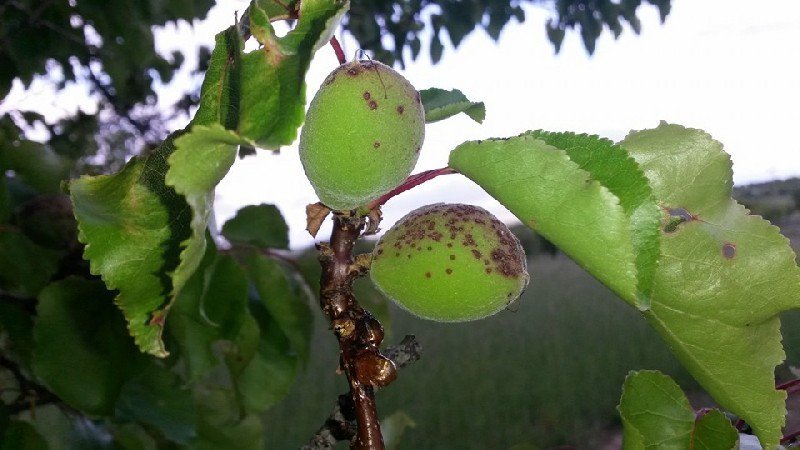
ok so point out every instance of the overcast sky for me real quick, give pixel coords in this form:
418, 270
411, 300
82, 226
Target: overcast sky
729, 67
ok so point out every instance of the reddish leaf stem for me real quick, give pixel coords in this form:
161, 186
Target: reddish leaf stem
410, 182
337, 48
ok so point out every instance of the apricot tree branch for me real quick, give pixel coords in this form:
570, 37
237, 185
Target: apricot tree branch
410, 182
341, 423
358, 332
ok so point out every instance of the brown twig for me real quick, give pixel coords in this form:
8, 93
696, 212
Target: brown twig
358, 332
341, 423
337, 48
410, 182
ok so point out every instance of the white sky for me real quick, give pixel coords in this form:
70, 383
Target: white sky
729, 67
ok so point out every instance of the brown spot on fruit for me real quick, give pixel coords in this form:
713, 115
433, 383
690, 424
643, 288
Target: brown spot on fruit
729, 250
476, 254
427, 274
452, 257
367, 95
400, 109
373, 104
448, 271
376, 144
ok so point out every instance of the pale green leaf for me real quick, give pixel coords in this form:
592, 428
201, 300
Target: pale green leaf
82, 352
553, 195
258, 225
722, 278
441, 104
393, 427
134, 226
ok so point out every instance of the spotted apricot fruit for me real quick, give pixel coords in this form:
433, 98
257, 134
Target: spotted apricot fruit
450, 262
362, 135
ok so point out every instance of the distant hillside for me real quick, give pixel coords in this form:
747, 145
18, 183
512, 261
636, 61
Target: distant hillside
772, 200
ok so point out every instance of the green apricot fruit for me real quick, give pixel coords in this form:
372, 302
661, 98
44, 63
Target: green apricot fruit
363, 132
450, 263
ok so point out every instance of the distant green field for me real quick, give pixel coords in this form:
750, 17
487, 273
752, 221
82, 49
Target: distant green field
549, 373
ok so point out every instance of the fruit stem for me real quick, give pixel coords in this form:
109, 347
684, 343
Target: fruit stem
358, 332
410, 182
337, 48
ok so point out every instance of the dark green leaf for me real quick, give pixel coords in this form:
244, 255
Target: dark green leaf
258, 225
16, 331
82, 352
25, 268
713, 431
157, 397
440, 104
283, 298
134, 228
212, 307
23, 436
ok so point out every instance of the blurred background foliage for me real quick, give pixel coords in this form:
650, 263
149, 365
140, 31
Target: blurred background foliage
109, 47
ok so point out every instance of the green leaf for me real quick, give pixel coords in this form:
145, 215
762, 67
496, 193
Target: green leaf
283, 298
656, 415
22, 435
713, 431
221, 92
222, 424
267, 377
16, 333
276, 9
258, 225
211, 308
134, 228
440, 104
82, 352
723, 276
158, 398
613, 168
260, 95
559, 199
201, 159
25, 267
36, 164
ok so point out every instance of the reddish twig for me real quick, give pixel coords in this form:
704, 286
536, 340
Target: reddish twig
791, 387
410, 182
337, 48
358, 332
